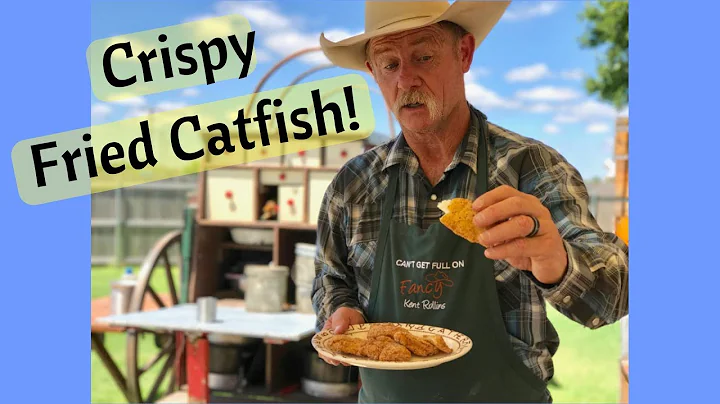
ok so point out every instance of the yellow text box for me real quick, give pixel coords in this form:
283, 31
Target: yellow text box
193, 139
169, 58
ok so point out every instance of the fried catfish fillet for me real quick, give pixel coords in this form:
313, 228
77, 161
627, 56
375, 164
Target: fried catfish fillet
439, 342
384, 349
384, 330
416, 345
346, 344
458, 217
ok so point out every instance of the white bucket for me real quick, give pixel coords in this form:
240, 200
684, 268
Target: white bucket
304, 266
303, 299
265, 288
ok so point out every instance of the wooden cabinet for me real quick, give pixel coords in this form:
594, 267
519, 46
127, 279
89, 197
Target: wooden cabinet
291, 204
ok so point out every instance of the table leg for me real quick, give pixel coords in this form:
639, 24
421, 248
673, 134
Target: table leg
96, 339
198, 358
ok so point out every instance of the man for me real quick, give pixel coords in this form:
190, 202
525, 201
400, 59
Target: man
542, 243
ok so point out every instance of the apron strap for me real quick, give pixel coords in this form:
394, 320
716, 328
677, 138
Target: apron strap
481, 186
385, 219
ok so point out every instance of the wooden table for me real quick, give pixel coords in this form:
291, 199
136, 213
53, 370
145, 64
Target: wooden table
275, 329
99, 308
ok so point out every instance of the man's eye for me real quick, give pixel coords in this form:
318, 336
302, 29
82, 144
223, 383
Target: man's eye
391, 66
425, 58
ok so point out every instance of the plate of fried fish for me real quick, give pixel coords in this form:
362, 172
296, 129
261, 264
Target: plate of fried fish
393, 346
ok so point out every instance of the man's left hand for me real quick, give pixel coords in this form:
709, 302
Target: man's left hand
506, 214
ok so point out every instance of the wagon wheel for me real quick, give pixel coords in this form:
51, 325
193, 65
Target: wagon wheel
146, 377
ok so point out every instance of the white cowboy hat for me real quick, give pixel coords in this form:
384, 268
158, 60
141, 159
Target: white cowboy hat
387, 17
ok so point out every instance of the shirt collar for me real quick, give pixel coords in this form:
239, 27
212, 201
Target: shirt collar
401, 153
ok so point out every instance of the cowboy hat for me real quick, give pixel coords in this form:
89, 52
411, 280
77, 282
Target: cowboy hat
388, 17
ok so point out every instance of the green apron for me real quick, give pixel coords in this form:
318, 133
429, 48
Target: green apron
463, 299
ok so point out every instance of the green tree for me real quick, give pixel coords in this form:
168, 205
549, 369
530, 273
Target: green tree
608, 26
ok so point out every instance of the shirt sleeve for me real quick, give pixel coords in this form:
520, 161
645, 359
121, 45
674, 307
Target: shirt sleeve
594, 290
334, 285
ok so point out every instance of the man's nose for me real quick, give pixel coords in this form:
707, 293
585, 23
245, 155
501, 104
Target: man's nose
408, 78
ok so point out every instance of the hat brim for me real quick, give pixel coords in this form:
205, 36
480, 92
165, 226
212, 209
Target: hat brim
477, 17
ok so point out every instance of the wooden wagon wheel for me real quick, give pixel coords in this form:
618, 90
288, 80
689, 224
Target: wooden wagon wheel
146, 297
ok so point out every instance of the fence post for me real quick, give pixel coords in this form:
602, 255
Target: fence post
120, 228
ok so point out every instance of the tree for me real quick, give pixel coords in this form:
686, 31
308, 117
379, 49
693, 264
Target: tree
608, 26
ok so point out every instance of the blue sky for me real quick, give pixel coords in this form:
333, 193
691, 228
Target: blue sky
526, 76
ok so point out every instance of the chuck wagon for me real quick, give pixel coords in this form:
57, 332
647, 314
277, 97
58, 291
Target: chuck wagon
246, 249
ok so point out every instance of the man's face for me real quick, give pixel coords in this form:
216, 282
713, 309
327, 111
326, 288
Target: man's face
420, 74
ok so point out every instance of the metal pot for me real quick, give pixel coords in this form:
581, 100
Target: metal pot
318, 370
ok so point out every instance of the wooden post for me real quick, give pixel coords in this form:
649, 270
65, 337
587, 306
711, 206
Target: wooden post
621, 161
120, 233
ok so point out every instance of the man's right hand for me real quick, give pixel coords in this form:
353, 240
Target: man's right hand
339, 322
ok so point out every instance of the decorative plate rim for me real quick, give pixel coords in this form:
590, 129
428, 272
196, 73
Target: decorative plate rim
463, 344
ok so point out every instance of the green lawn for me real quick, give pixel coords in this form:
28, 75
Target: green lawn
586, 365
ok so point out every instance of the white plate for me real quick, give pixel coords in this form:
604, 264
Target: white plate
458, 342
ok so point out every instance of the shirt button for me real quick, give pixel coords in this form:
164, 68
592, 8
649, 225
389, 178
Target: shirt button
433, 197
596, 321
566, 299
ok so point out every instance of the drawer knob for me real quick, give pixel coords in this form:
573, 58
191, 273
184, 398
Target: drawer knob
290, 202
301, 153
228, 194
343, 154
282, 176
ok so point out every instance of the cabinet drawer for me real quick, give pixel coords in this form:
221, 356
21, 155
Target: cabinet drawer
260, 152
318, 184
292, 203
339, 154
306, 158
278, 177
230, 195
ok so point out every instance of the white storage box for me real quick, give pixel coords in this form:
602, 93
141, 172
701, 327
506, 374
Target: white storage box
230, 194
292, 203
339, 154
305, 158
318, 184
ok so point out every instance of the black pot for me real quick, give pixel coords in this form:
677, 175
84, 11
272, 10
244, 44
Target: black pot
318, 370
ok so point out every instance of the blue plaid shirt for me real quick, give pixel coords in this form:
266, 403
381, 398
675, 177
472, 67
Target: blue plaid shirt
593, 293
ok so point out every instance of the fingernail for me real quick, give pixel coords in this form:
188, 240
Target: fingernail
479, 217
487, 253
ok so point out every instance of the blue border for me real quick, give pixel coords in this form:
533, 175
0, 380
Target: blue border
674, 220
673, 210
46, 248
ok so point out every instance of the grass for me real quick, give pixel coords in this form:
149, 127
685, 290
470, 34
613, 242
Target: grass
586, 365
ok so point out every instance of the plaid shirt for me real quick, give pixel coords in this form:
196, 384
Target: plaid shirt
594, 291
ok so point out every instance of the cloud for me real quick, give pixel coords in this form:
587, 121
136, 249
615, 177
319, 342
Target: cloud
262, 56
168, 106
548, 93
572, 74
610, 166
586, 111
524, 11
190, 92
625, 112
551, 129
100, 111
486, 98
260, 14
280, 33
540, 108
534, 72
597, 127
134, 102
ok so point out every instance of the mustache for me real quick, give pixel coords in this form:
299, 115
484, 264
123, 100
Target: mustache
413, 97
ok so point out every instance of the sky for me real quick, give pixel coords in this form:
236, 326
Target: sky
526, 75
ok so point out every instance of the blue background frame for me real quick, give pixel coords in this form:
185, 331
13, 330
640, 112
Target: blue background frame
674, 149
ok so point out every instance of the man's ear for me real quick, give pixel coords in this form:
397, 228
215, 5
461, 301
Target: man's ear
467, 51
369, 67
